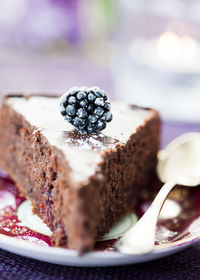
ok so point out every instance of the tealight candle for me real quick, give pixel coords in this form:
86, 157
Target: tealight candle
169, 52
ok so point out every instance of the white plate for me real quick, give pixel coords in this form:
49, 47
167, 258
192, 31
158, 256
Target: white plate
102, 258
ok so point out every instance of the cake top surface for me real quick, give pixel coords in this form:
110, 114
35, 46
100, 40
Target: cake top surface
83, 152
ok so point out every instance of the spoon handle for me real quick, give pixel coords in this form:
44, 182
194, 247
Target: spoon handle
140, 238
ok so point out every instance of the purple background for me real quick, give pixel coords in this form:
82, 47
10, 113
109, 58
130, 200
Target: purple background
170, 130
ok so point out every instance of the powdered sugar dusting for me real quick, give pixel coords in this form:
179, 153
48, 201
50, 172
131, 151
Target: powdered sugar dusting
87, 143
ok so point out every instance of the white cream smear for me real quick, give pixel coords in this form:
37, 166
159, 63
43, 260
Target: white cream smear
83, 155
30, 220
170, 209
27, 218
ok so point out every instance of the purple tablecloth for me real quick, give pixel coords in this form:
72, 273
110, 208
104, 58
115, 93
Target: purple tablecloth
183, 265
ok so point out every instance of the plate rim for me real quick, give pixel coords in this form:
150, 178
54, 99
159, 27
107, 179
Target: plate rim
94, 258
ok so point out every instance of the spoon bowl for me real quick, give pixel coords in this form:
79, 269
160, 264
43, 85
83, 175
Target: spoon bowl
178, 163
180, 160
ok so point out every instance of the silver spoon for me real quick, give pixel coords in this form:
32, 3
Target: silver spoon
178, 163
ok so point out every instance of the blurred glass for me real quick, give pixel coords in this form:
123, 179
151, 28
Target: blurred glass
156, 58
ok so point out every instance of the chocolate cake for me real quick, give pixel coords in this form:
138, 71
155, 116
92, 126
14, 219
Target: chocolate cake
80, 185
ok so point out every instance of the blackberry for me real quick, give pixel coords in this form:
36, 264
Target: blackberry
86, 108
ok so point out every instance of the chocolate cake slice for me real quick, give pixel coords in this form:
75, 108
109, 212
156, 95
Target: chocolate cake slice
80, 185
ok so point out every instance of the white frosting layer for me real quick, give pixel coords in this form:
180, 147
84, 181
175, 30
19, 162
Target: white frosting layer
83, 153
